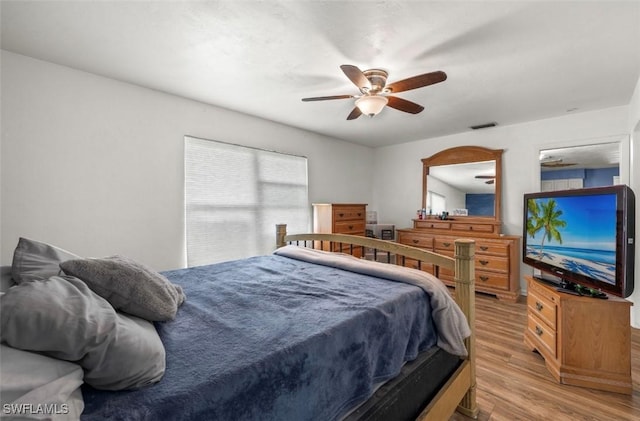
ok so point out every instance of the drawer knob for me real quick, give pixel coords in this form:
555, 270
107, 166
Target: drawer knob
341, 215
484, 278
415, 241
484, 248
471, 228
446, 244
483, 262
539, 331
350, 227
359, 214
538, 306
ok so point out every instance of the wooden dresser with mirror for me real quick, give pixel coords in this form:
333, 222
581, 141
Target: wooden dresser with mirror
468, 179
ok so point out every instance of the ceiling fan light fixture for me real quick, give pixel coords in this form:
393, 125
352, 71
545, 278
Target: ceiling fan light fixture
371, 104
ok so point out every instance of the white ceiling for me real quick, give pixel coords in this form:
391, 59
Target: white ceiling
601, 155
506, 61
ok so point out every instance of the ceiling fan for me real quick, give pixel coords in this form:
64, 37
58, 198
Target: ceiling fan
491, 179
375, 93
553, 162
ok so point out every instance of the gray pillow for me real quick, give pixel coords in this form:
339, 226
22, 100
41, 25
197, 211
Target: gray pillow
129, 286
62, 318
6, 279
37, 260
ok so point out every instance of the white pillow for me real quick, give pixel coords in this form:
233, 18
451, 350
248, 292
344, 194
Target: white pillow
35, 386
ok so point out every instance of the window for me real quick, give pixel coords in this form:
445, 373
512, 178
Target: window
235, 196
436, 202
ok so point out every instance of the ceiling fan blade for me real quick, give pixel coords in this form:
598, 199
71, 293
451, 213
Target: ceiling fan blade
324, 98
404, 105
355, 113
356, 76
417, 81
559, 164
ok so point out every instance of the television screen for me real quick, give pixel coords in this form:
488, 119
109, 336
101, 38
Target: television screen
582, 236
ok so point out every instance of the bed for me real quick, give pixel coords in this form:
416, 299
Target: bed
318, 336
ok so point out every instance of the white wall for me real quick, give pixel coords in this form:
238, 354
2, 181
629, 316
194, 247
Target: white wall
96, 166
398, 180
633, 127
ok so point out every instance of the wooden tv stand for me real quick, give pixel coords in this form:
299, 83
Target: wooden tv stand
584, 341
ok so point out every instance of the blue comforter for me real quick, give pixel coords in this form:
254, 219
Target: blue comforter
275, 338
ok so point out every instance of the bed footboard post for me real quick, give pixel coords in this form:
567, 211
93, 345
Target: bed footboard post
281, 232
465, 296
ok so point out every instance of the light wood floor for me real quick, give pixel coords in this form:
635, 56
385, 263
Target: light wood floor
514, 384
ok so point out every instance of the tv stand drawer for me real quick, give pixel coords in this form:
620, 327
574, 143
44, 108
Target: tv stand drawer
543, 335
542, 307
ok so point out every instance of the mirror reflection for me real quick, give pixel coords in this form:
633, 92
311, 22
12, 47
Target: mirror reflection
463, 181
576, 167
462, 189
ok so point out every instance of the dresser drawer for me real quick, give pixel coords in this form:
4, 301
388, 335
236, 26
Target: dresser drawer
349, 227
415, 239
542, 308
483, 248
411, 263
483, 279
492, 247
492, 280
543, 335
443, 244
492, 263
484, 228
348, 213
432, 224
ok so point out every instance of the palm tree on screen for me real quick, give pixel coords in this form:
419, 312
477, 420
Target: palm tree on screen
545, 216
533, 221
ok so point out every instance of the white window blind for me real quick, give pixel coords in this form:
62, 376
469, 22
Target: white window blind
436, 202
235, 196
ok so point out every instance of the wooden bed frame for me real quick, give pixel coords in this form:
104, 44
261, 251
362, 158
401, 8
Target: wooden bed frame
459, 392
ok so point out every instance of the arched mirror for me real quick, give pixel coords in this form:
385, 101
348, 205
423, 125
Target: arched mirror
463, 181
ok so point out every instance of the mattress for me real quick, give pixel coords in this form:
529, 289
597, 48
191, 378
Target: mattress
405, 396
272, 337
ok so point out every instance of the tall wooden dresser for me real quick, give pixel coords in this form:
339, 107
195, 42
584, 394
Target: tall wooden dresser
339, 218
497, 258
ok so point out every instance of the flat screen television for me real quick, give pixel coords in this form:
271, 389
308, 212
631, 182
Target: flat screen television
583, 238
